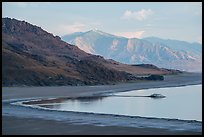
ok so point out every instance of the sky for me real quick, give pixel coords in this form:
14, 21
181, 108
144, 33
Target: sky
168, 20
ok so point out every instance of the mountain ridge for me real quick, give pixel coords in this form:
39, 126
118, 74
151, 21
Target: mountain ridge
171, 54
34, 57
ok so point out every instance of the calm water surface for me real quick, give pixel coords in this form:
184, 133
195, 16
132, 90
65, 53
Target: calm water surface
180, 103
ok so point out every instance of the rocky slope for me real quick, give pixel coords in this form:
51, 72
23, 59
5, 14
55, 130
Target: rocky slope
34, 57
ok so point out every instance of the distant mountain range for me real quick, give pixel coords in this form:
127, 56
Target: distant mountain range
172, 54
34, 57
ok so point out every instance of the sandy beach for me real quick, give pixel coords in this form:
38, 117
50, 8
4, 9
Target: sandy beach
45, 122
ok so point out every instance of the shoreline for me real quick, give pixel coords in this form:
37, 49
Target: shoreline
34, 127
16, 93
73, 91
59, 128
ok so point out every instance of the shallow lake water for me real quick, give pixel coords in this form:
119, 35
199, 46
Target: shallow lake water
180, 103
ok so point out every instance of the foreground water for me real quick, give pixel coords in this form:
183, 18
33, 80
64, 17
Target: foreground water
180, 103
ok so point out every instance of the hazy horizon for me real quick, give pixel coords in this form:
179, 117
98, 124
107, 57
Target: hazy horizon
166, 20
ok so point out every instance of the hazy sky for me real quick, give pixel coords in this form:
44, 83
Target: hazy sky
169, 20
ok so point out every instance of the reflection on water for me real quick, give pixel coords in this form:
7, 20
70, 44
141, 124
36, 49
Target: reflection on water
180, 103
88, 99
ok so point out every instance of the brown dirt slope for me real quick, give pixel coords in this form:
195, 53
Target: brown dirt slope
34, 57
